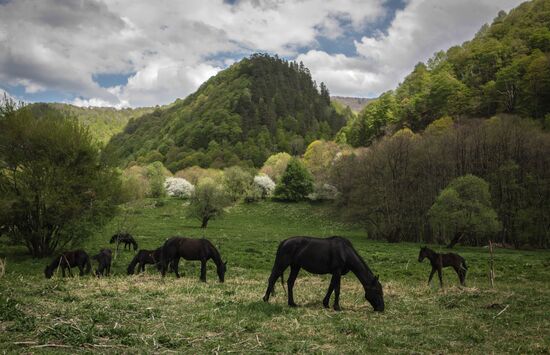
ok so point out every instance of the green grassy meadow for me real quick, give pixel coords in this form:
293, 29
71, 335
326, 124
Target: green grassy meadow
143, 313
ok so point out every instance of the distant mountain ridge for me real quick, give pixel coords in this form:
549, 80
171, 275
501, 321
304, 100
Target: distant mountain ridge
254, 108
356, 104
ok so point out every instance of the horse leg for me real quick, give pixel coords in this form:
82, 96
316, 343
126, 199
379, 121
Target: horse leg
336, 280
326, 300
203, 270
458, 273
63, 270
431, 276
175, 267
290, 284
275, 274
81, 270
440, 277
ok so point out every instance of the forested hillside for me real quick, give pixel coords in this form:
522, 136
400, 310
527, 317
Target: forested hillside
257, 106
504, 69
103, 122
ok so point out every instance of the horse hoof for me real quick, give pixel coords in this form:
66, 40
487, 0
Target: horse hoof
265, 298
325, 304
292, 304
337, 308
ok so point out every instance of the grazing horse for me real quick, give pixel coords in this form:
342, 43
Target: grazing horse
144, 257
69, 259
334, 255
191, 249
439, 261
125, 238
104, 259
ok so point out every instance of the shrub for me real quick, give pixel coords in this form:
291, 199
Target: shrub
264, 184
275, 165
208, 201
237, 182
323, 192
178, 187
295, 184
156, 173
463, 211
195, 174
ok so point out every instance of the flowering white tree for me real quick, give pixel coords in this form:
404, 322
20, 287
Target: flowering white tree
265, 184
178, 187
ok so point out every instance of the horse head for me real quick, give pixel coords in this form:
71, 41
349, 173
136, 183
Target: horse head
375, 295
48, 272
222, 268
114, 238
423, 253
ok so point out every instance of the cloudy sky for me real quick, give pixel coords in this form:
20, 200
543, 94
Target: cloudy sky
142, 53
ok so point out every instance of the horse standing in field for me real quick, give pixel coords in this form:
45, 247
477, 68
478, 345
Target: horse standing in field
439, 261
191, 249
125, 238
104, 259
69, 259
144, 257
334, 255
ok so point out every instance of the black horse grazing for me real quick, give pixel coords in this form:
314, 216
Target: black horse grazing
125, 238
144, 257
69, 259
439, 261
104, 259
334, 255
191, 249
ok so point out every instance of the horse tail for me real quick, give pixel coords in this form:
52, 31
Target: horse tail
132, 265
464, 264
135, 244
283, 281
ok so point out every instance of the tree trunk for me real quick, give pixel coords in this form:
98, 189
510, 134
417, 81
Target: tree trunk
455, 240
204, 222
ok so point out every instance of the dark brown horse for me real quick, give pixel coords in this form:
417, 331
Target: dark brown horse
191, 249
67, 260
439, 261
334, 255
104, 262
126, 238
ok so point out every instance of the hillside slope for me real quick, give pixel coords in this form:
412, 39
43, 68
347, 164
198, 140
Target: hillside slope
257, 106
104, 122
505, 68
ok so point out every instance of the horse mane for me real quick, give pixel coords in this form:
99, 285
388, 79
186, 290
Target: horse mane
215, 253
359, 257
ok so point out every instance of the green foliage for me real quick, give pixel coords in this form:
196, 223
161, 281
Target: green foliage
54, 189
504, 69
463, 211
275, 165
237, 182
156, 173
391, 186
103, 122
245, 113
319, 157
195, 174
208, 201
295, 184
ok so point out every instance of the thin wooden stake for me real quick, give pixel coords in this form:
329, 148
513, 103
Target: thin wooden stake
491, 265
